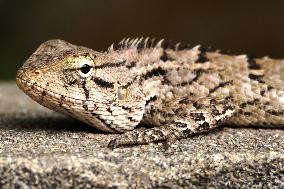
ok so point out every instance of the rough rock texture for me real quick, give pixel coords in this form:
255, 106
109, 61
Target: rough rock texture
43, 149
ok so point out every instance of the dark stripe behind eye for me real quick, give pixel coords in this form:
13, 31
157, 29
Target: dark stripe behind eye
154, 72
110, 64
103, 83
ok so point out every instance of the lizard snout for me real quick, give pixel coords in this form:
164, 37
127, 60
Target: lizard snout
20, 73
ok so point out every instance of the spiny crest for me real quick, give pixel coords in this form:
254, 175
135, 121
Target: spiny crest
143, 43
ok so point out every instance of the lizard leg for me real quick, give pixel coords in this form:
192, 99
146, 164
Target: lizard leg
169, 133
195, 122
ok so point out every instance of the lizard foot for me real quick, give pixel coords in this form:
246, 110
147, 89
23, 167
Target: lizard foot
169, 134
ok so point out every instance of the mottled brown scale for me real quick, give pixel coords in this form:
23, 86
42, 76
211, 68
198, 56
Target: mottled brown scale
179, 91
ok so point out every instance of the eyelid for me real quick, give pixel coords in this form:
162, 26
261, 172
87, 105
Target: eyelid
78, 62
85, 61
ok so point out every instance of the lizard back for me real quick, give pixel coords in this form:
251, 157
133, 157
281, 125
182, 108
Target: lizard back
185, 79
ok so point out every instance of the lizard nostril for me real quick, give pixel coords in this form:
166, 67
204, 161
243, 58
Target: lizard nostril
20, 72
37, 72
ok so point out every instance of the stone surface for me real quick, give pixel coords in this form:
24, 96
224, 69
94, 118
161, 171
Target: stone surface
43, 149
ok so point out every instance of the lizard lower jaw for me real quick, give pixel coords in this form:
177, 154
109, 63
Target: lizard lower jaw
18, 77
18, 82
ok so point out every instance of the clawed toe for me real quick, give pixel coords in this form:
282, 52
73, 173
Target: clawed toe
113, 144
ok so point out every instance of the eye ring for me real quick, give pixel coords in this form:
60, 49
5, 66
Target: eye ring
84, 66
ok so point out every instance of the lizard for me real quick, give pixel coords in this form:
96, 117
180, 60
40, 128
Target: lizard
177, 90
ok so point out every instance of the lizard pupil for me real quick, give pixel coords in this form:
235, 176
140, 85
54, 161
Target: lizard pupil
85, 68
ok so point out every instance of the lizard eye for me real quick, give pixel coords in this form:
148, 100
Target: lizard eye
85, 70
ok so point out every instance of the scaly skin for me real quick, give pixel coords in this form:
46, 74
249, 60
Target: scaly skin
177, 90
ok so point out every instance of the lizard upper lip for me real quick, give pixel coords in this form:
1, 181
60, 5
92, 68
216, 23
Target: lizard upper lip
19, 82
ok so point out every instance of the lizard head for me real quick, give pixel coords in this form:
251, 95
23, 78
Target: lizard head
94, 87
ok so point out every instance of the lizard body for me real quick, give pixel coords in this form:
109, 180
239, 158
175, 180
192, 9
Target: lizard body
177, 90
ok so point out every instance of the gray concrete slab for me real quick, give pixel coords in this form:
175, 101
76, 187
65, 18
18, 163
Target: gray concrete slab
43, 149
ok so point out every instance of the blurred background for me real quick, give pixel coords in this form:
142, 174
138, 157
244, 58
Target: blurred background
253, 27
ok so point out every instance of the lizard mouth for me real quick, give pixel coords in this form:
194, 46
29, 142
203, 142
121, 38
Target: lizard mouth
39, 94
32, 87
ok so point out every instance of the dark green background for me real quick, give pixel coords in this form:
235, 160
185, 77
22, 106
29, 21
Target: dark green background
254, 27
